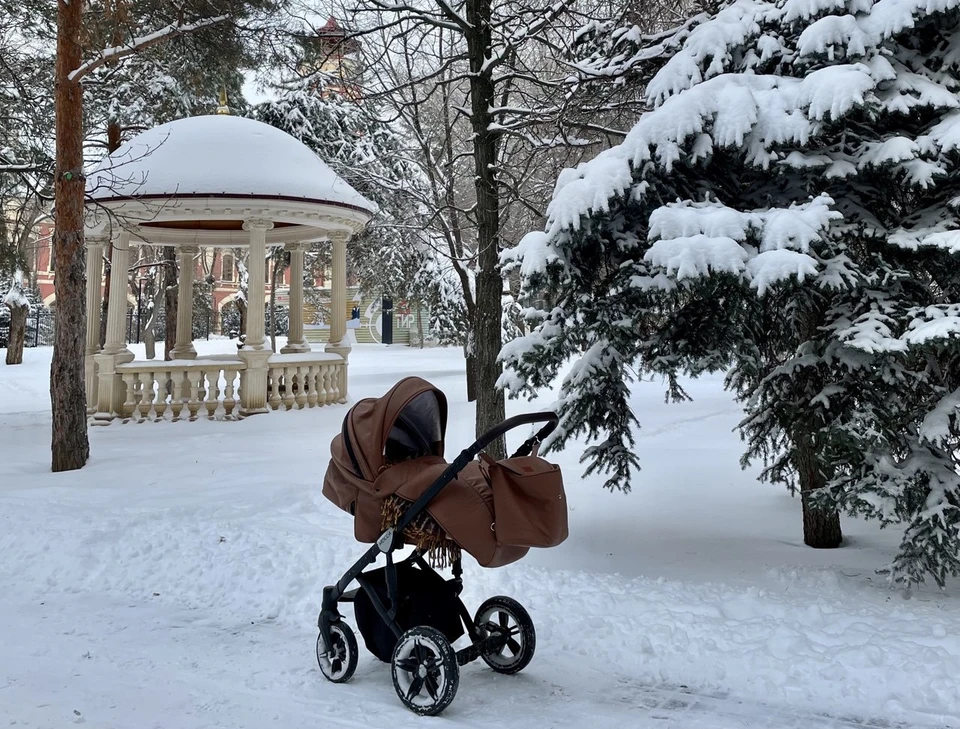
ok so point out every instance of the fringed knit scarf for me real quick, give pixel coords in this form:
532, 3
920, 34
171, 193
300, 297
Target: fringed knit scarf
423, 532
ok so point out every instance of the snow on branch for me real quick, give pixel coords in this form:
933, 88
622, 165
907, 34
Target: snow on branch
138, 44
768, 246
15, 297
22, 167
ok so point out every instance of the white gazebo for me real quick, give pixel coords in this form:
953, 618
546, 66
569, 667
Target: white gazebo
229, 182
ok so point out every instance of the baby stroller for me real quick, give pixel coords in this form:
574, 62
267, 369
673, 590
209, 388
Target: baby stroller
387, 470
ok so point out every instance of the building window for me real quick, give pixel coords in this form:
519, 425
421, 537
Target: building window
226, 268
53, 258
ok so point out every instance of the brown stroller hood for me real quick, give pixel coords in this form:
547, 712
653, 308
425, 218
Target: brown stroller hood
368, 424
358, 481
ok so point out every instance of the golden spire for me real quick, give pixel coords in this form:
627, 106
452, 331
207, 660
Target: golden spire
223, 108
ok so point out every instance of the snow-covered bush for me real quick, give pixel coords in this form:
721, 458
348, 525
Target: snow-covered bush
786, 210
38, 315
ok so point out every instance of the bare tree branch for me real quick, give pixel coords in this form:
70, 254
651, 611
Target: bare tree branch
117, 53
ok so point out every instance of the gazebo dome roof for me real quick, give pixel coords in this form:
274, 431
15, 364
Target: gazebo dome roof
220, 156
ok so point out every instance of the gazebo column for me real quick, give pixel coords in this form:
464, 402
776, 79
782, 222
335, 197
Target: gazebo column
184, 348
296, 343
338, 344
253, 380
110, 387
95, 245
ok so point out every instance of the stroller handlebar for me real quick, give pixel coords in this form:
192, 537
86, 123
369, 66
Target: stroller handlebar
551, 419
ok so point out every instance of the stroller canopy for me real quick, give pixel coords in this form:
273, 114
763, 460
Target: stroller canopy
411, 416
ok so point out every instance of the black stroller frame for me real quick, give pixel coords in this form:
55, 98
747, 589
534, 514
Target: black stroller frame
484, 640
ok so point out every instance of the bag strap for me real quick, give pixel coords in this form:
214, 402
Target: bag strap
486, 462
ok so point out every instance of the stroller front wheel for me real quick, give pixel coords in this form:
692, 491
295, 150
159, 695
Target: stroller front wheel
426, 674
340, 663
504, 615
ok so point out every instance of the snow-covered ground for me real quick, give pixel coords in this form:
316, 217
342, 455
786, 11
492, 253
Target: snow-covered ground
174, 582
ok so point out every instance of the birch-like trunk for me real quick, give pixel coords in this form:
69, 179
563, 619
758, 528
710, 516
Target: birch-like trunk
18, 332
491, 410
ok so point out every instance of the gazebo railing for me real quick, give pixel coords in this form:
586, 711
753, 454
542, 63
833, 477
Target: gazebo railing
181, 389
212, 388
296, 381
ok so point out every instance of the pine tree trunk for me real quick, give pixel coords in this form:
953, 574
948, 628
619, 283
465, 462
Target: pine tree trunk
491, 409
70, 447
821, 527
170, 287
18, 333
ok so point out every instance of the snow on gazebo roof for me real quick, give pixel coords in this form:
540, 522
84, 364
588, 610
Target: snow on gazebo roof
219, 156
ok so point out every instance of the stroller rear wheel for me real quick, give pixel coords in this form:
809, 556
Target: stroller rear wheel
339, 664
505, 615
425, 670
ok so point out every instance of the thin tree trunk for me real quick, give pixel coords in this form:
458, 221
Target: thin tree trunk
107, 266
170, 287
18, 333
149, 333
70, 446
242, 310
491, 408
821, 527
273, 304
420, 323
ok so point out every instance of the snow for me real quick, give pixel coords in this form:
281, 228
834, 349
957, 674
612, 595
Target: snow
697, 255
773, 266
286, 359
677, 220
15, 298
936, 423
532, 252
175, 582
820, 37
219, 155
894, 149
697, 239
947, 132
925, 331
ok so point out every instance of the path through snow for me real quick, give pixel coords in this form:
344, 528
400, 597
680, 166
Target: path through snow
174, 583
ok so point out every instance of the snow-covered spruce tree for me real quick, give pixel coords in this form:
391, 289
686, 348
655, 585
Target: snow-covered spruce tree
444, 300
370, 155
787, 210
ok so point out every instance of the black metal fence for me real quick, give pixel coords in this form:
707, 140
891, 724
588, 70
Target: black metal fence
39, 327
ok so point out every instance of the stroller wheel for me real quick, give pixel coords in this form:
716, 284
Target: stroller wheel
338, 666
425, 670
505, 615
